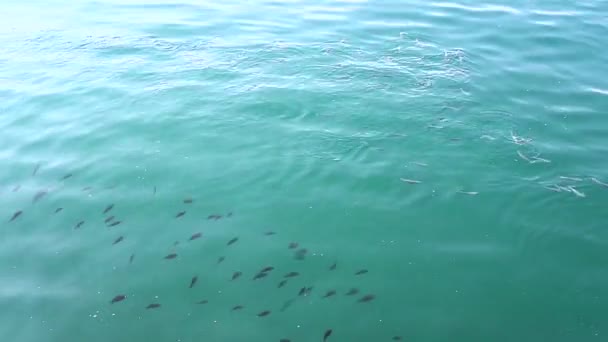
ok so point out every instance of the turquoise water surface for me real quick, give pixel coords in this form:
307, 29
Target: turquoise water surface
303, 170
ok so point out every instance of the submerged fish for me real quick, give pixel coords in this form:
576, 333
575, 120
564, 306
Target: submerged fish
204, 301
352, 292
171, 256
15, 215
108, 208
236, 275
233, 240
87, 188
293, 245
269, 233
109, 219
58, 210
79, 224
292, 274
39, 196
36, 169
188, 200
180, 214
115, 223
360, 272
153, 306
284, 340
120, 238
396, 338
287, 304
66, 176
220, 259
282, 283
131, 258
266, 269
238, 307
260, 275
118, 298
154, 191
328, 333
597, 181
367, 298
15, 189
300, 253
264, 313
333, 267
196, 236
193, 281
329, 294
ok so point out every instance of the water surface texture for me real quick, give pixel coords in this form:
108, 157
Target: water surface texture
414, 170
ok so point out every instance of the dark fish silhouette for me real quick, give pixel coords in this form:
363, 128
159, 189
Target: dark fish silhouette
284, 340
66, 176
36, 169
282, 283
292, 274
196, 236
232, 241
120, 238
115, 223
308, 290
238, 307
153, 306
361, 272
15, 189
333, 267
301, 253
229, 214
154, 191
327, 334
39, 196
214, 217
236, 275
79, 224
330, 293
171, 256
204, 301
266, 269
397, 338
58, 210
260, 275
264, 313
108, 208
109, 219
188, 200
86, 188
15, 215
269, 233
131, 258
287, 304
118, 298
302, 291
175, 243
293, 245
352, 292
220, 259
193, 281
180, 214
367, 298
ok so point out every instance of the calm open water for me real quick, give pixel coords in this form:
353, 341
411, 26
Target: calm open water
456, 151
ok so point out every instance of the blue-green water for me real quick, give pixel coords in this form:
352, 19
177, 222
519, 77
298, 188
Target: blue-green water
457, 151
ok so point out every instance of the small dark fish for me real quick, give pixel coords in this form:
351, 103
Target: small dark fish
238, 307
154, 191
86, 188
232, 241
287, 304
220, 260
120, 238
361, 272
58, 210
175, 243
397, 338
352, 292
236, 274
180, 214
302, 291
118, 298
196, 236
282, 283
264, 313
293, 245
327, 334
229, 214
333, 267
79, 224
193, 281
308, 291
301, 253
217, 217
171, 256
131, 258
66, 176
367, 298
109, 219
153, 306
15, 189
108, 208
260, 275
292, 274
36, 169
188, 200
15, 215
214, 217
269, 233
115, 223
284, 340
330, 293
39, 196
266, 269
204, 301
